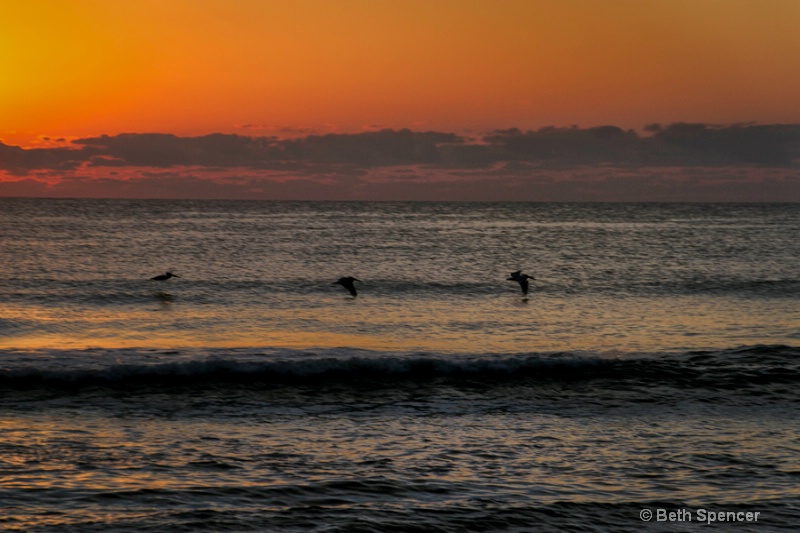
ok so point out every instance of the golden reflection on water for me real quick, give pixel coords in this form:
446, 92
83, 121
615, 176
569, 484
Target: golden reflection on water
495, 325
276, 339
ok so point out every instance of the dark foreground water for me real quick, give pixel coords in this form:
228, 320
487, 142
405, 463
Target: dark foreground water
653, 368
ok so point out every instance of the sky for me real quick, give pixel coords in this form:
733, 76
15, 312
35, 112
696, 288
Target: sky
542, 100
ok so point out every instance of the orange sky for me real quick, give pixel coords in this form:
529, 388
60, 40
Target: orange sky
262, 67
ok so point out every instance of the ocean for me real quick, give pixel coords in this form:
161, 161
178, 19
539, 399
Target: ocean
647, 382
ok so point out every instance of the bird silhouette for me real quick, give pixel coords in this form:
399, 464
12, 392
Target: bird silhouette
164, 277
522, 279
347, 283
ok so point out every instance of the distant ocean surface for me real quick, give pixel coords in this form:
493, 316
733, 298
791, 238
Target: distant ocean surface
654, 367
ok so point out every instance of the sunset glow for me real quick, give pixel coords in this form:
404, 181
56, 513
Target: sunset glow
260, 68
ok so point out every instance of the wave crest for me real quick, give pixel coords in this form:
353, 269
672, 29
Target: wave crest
727, 369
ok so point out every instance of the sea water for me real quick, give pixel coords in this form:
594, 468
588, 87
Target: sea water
648, 381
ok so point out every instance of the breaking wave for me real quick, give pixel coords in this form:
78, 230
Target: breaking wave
732, 369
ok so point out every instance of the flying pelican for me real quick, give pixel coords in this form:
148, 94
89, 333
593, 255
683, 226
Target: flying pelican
347, 283
522, 279
164, 277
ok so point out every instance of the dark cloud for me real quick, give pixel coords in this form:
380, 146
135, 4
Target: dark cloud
600, 163
19, 162
569, 146
701, 144
679, 144
370, 149
675, 145
165, 150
